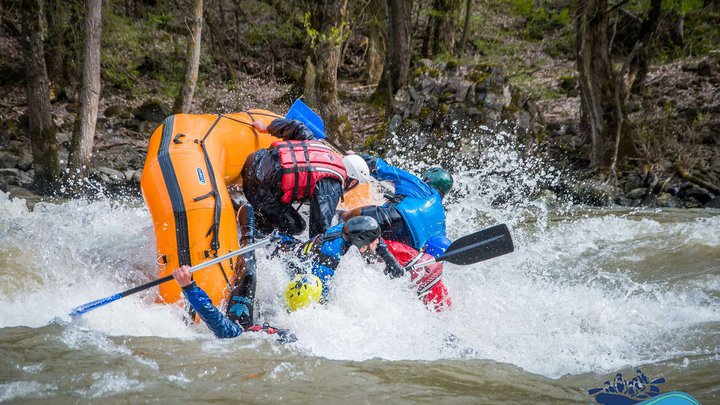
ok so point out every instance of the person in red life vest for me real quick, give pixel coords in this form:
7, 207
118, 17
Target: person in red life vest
298, 169
428, 279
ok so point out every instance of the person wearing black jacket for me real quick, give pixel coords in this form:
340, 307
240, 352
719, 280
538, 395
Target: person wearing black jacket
298, 169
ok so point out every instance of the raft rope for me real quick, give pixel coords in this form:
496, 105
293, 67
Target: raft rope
217, 212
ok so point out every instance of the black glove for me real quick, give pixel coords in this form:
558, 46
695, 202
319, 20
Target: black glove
392, 268
290, 130
285, 336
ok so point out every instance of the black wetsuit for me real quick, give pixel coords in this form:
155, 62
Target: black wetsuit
262, 187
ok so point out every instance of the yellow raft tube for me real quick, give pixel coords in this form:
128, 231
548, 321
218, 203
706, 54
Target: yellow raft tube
191, 160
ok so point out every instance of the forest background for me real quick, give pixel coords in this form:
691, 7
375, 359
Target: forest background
620, 97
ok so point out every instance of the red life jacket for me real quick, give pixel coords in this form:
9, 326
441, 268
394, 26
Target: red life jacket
427, 279
304, 163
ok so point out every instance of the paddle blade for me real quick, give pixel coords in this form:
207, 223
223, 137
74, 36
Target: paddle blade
482, 245
77, 311
301, 112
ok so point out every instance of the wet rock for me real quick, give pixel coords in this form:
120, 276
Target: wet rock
152, 110
700, 194
111, 176
129, 174
637, 193
667, 200
624, 201
395, 123
691, 203
21, 192
714, 203
462, 90
428, 85
16, 177
593, 193
9, 160
26, 161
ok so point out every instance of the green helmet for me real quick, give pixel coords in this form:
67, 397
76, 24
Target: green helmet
439, 179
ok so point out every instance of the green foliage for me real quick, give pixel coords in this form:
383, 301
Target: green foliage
135, 49
336, 35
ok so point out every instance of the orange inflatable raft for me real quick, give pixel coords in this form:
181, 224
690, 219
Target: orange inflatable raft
191, 160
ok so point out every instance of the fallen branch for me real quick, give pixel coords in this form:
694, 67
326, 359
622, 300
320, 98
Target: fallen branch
685, 174
112, 145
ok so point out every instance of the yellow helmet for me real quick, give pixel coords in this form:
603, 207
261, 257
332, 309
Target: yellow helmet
303, 290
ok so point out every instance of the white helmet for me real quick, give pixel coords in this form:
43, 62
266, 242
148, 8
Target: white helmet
357, 168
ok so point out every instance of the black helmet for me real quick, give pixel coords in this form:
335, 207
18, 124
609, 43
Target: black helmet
361, 231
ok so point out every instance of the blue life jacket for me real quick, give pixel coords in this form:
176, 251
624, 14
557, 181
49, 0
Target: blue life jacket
327, 254
421, 206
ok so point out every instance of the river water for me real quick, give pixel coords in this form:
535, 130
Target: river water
588, 293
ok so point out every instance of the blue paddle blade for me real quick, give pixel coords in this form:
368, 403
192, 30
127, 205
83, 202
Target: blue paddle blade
301, 112
94, 304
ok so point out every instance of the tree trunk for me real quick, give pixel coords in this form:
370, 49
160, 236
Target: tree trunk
42, 128
399, 51
84, 136
428, 35
375, 59
183, 101
443, 21
64, 42
640, 63
466, 28
327, 30
597, 80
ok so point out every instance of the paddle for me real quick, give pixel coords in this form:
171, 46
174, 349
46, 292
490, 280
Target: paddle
301, 112
82, 309
476, 247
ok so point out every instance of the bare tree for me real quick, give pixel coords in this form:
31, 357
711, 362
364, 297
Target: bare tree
375, 57
604, 90
398, 51
441, 27
326, 26
84, 134
466, 28
639, 65
42, 128
183, 101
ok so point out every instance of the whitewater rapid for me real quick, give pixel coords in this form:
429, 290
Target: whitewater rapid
587, 290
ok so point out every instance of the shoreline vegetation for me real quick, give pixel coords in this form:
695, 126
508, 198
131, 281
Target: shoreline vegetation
626, 106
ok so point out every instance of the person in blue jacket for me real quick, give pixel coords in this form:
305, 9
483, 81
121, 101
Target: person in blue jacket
239, 314
321, 256
415, 212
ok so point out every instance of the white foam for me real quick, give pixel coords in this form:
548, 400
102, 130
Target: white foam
573, 298
25, 390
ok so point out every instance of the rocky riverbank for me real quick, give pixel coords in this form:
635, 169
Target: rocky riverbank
448, 114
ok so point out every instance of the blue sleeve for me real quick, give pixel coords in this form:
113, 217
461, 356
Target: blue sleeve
325, 274
218, 323
406, 183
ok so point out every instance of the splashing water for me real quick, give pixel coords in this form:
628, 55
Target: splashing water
587, 290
